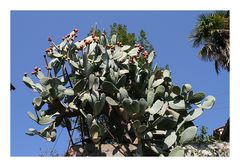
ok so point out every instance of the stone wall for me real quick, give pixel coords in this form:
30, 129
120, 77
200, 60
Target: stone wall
216, 149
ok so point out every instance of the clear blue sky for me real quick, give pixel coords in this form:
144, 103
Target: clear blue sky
166, 30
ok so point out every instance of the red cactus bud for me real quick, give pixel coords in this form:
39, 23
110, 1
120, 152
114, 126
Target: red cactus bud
49, 39
145, 53
108, 46
95, 38
36, 68
48, 68
137, 45
112, 47
75, 30
47, 50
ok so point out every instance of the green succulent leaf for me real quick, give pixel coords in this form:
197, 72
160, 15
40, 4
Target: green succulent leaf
208, 102
127, 104
69, 92
142, 105
160, 90
156, 149
37, 101
157, 121
32, 116
186, 88
194, 114
28, 81
40, 74
38, 87
133, 52
79, 86
151, 57
109, 87
170, 139
89, 119
177, 104
45, 81
114, 39
141, 128
92, 47
150, 97
157, 82
177, 152
111, 101
197, 97
31, 132
96, 84
55, 64
123, 93
57, 54
91, 80
49, 133
188, 135
125, 47
97, 108
123, 71
163, 109
148, 136
61, 88
102, 100
73, 106
122, 81
136, 124
74, 64
150, 81
166, 73
63, 44
45, 120
135, 106
156, 107
95, 133
176, 90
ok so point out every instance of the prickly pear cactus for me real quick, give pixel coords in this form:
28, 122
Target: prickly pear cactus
117, 93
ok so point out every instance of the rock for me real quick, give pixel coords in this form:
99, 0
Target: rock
217, 148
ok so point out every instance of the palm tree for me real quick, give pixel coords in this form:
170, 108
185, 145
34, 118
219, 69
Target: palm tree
212, 34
